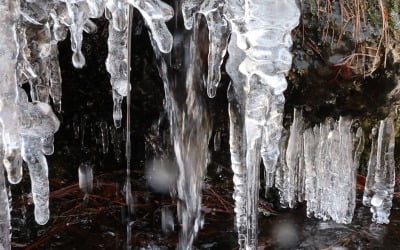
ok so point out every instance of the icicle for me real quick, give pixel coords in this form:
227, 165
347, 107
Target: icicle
117, 59
237, 138
156, 13
294, 171
9, 110
310, 139
370, 180
280, 180
379, 187
78, 12
218, 35
272, 137
55, 77
262, 30
324, 171
358, 143
5, 225
39, 123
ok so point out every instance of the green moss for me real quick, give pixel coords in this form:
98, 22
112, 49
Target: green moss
393, 19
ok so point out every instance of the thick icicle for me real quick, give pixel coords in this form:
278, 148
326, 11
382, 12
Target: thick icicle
9, 109
156, 13
39, 124
261, 29
379, 187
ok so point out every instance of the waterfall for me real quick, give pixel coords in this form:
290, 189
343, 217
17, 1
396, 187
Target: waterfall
190, 125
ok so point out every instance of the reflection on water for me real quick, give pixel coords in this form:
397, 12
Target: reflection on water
292, 230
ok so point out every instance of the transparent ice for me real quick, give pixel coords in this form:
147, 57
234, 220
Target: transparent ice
379, 185
316, 164
258, 59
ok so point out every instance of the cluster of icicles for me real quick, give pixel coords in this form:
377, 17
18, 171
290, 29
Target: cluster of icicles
314, 162
319, 165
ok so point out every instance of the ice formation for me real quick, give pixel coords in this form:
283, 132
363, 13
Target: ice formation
29, 32
218, 35
379, 185
320, 167
258, 59
317, 165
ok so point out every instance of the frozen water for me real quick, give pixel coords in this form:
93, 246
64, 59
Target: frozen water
5, 224
379, 185
320, 167
258, 58
218, 31
313, 164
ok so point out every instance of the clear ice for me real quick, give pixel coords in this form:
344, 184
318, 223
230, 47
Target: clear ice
29, 33
379, 185
317, 164
320, 167
258, 59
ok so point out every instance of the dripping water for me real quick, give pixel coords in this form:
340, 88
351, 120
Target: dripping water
190, 127
128, 146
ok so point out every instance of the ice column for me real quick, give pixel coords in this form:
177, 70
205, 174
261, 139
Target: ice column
9, 109
261, 30
320, 166
5, 225
379, 186
294, 171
